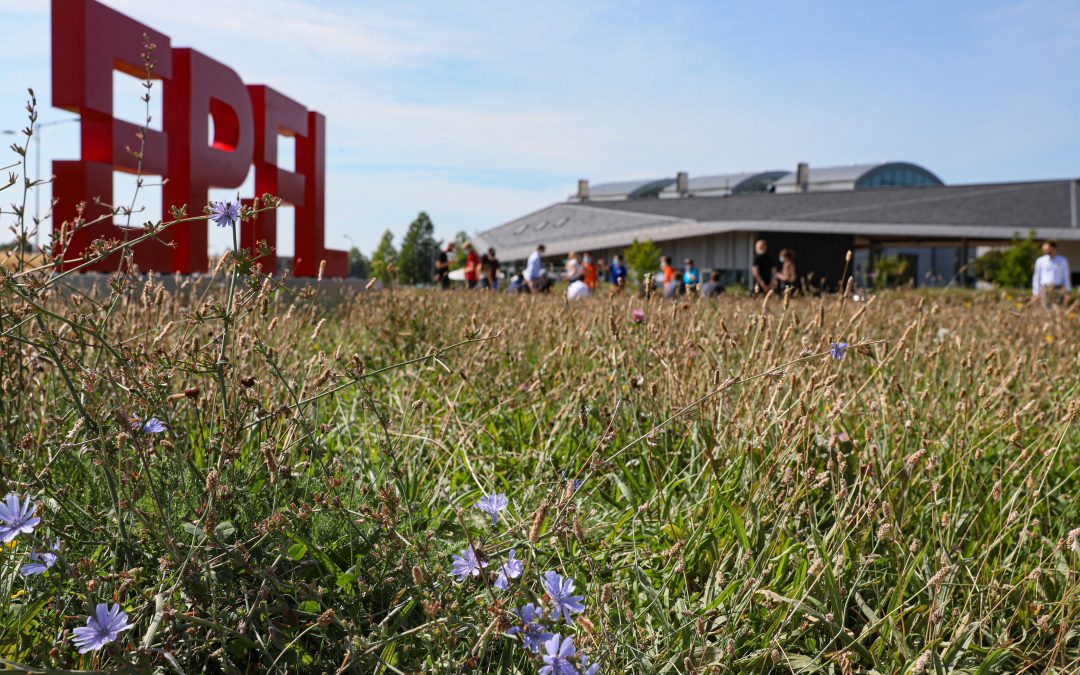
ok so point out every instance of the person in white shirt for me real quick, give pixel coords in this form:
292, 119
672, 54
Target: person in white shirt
534, 272
573, 268
1051, 280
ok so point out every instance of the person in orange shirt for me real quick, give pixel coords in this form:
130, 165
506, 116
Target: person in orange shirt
671, 285
589, 271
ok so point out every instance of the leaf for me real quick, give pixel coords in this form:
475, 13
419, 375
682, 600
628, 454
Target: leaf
195, 531
225, 530
309, 606
296, 552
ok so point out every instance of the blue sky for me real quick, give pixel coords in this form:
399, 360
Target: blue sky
478, 112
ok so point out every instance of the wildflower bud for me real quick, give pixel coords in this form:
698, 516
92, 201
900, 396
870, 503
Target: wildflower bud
538, 520
605, 592
585, 623
417, 575
326, 618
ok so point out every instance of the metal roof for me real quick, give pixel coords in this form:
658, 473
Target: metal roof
729, 182
989, 212
630, 189
846, 174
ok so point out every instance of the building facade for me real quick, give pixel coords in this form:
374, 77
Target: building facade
892, 208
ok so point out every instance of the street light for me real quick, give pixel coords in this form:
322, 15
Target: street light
37, 169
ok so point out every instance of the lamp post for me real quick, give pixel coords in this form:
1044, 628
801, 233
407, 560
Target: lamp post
37, 170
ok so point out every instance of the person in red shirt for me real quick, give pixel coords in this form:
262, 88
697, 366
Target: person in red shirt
589, 271
472, 266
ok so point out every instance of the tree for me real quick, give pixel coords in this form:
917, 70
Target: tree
642, 257
1018, 262
359, 265
384, 257
459, 250
1009, 267
891, 271
987, 266
416, 261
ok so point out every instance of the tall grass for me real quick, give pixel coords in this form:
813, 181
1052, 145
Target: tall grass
748, 503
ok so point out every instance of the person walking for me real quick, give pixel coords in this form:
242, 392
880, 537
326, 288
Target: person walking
535, 279
617, 272
472, 266
588, 271
787, 275
493, 270
763, 267
1051, 281
442, 267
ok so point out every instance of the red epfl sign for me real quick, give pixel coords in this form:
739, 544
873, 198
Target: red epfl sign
89, 42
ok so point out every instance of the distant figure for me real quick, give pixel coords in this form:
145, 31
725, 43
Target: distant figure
493, 270
472, 266
573, 268
535, 279
712, 287
671, 283
442, 267
517, 283
786, 276
577, 290
601, 269
763, 268
1051, 281
588, 271
617, 272
690, 275
485, 263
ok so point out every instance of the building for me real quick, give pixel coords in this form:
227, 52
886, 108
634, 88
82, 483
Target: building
875, 210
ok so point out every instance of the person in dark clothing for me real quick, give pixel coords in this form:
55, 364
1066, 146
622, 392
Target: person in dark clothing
493, 270
764, 267
617, 272
442, 267
484, 268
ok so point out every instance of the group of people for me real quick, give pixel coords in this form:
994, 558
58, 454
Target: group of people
481, 271
772, 276
1050, 283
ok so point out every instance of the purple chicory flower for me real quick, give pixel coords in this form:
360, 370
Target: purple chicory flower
467, 564
563, 601
586, 669
511, 569
101, 628
224, 214
492, 504
638, 315
42, 560
15, 518
557, 659
532, 632
577, 481
150, 426
836, 350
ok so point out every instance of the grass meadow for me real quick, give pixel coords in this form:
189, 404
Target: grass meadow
726, 496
